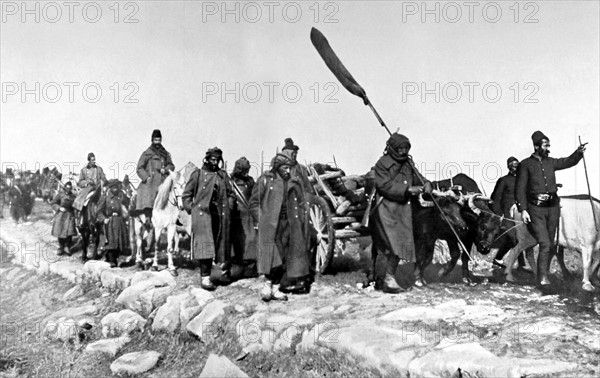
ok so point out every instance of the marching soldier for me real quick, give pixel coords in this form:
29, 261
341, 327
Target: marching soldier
396, 179
63, 226
535, 191
278, 207
111, 211
503, 198
208, 197
242, 233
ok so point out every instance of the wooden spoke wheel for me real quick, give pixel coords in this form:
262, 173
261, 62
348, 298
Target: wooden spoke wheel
321, 221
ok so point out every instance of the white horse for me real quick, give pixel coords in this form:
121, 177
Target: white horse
168, 208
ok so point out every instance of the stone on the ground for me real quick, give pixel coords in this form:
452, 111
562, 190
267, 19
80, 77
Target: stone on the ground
66, 269
381, 347
222, 367
115, 279
94, 268
108, 346
122, 322
135, 362
443, 311
474, 359
321, 333
202, 296
187, 314
73, 312
148, 291
168, 316
162, 278
207, 322
73, 293
67, 328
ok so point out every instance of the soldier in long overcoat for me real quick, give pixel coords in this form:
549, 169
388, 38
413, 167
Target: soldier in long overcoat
112, 213
243, 234
298, 170
208, 197
279, 208
153, 167
63, 226
396, 179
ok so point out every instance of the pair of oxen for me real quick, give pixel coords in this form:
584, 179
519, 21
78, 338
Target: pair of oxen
468, 211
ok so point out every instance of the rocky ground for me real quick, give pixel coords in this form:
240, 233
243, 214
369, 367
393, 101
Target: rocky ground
62, 318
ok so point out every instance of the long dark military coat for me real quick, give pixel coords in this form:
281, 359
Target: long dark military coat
64, 222
148, 170
114, 207
391, 225
196, 200
243, 234
265, 206
504, 195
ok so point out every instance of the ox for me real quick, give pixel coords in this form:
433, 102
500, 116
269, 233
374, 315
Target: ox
427, 231
576, 231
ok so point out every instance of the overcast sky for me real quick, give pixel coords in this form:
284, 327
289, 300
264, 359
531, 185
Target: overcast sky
246, 77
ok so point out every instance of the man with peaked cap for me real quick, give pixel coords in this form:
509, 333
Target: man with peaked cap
278, 207
112, 210
396, 179
537, 200
208, 197
503, 198
298, 170
63, 226
242, 233
153, 167
90, 177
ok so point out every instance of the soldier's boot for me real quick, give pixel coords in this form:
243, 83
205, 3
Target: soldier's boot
207, 284
543, 268
61, 247
266, 291
111, 258
278, 295
390, 285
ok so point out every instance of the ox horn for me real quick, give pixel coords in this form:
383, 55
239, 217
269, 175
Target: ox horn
471, 201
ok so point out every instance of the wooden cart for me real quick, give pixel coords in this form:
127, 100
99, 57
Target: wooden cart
333, 217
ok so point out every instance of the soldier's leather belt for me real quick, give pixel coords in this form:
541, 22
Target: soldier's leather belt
543, 199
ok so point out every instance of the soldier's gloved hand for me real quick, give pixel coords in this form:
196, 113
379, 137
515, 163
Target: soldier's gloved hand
581, 148
525, 216
162, 171
106, 221
428, 188
414, 190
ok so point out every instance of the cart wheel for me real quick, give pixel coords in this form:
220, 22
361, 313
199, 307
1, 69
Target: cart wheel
320, 219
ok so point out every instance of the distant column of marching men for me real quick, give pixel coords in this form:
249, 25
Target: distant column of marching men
262, 227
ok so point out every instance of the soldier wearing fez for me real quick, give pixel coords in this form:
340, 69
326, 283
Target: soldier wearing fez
535, 192
298, 171
111, 212
208, 197
153, 167
63, 226
396, 179
278, 207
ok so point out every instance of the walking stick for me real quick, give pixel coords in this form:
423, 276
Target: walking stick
587, 180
